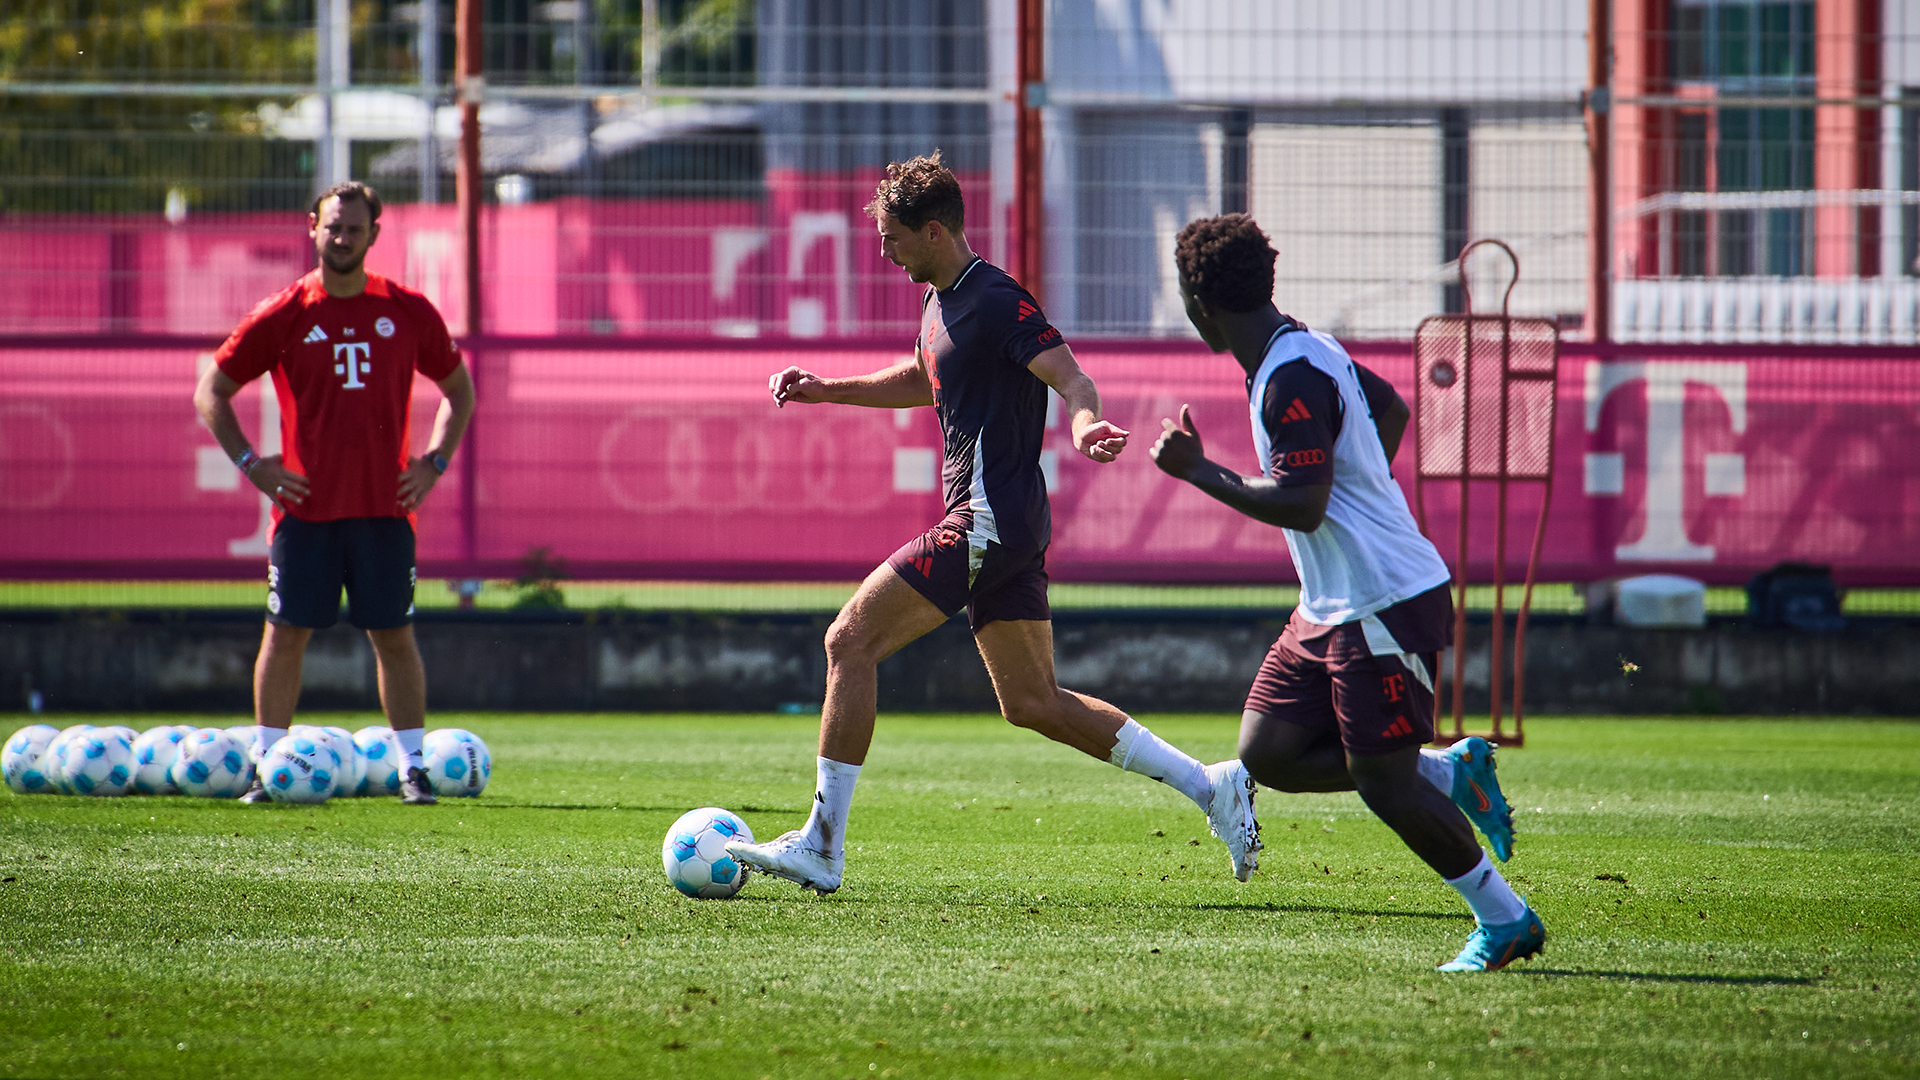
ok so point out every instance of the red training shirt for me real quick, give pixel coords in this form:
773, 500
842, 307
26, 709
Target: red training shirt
343, 371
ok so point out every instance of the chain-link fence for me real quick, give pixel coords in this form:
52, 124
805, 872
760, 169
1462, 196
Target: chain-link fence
697, 167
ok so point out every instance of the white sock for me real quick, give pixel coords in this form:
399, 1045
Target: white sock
1437, 767
264, 738
1138, 750
410, 740
1488, 894
826, 828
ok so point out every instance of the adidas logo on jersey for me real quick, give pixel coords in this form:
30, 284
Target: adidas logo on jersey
1025, 309
1296, 411
315, 334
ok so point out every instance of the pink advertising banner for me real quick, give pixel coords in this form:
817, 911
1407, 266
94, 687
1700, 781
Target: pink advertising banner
643, 459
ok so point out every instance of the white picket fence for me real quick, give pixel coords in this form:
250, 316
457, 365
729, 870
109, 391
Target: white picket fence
1800, 310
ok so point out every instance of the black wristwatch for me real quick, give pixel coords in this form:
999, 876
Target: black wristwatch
439, 463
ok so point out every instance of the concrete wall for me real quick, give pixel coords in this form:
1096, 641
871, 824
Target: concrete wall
1143, 662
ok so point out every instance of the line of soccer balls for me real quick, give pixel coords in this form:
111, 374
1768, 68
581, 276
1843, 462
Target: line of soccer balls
309, 764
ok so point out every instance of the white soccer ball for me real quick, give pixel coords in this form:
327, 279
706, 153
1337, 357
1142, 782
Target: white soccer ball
244, 734
212, 765
130, 733
353, 764
695, 853
382, 757
457, 762
25, 759
97, 762
154, 753
297, 769
57, 756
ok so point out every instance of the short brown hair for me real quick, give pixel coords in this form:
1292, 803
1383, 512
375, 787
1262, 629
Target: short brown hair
1227, 262
920, 190
348, 191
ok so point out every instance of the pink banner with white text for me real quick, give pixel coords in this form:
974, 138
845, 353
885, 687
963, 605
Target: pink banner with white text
650, 460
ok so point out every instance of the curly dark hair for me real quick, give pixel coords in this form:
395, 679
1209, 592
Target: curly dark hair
920, 190
348, 191
1227, 262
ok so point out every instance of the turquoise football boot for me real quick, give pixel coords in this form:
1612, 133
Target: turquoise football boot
1476, 790
1491, 948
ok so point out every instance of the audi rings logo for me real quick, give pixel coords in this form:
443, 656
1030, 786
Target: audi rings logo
1306, 457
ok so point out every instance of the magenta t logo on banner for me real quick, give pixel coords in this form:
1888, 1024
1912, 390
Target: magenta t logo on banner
354, 366
1665, 536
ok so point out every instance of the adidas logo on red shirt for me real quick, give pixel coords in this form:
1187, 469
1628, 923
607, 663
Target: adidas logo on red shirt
315, 334
1296, 411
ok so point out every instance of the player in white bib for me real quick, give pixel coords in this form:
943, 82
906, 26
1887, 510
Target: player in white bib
1344, 700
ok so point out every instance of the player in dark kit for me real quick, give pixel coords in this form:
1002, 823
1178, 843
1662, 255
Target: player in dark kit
342, 346
984, 360
1344, 700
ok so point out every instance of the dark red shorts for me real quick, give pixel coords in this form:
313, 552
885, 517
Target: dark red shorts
1378, 704
994, 583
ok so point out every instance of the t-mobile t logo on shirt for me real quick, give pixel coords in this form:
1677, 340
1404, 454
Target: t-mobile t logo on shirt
354, 364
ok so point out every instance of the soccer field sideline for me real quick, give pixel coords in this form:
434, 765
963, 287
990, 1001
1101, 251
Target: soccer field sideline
1712, 891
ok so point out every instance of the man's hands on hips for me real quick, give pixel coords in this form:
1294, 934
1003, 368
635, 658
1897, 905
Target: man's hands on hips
1178, 451
281, 484
416, 480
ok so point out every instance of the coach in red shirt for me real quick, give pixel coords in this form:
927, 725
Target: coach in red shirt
342, 346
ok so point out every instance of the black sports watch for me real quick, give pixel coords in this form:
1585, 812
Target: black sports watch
439, 462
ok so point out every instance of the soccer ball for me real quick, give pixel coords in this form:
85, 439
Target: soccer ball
353, 763
458, 763
154, 753
97, 762
244, 735
336, 739
25, 759
695, 853
57, 756
297, 769
212, 765
382, 757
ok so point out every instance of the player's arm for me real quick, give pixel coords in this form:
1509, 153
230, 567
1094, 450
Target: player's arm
213, 399
1389, 409
1180, 454
902, 386
449, 427
1092, 436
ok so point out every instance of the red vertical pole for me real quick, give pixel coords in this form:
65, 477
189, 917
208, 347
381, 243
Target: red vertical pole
1466, 482
1497, 676
1599, 172
469, 87
1029, 187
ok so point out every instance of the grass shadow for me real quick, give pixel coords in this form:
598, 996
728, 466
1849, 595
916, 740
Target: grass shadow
622, 807
1313, 909
1651, 976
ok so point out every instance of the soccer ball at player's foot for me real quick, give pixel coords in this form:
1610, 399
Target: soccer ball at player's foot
297, 769
695, 853
212, 765
340, 741
457, 762
154, 753
25, 759
382, 757
98, 762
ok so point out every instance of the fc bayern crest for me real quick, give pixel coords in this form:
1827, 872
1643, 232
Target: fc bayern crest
383, 326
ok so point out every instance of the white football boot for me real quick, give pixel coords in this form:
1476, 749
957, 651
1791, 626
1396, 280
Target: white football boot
788, 856
1230, 815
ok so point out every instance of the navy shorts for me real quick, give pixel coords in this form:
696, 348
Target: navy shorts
1377, 704
1008, 585
372, 558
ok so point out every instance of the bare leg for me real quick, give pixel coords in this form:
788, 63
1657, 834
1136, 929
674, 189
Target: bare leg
1019, 658
403, 678
1288, 757
1424, 819
882, 618
276, 674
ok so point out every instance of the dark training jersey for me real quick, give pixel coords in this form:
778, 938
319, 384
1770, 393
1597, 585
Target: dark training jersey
976, 340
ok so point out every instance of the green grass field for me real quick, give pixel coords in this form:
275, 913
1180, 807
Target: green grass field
1723, 898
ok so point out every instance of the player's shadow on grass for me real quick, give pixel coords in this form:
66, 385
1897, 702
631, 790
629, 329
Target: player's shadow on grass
1654, 976
1314, 909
